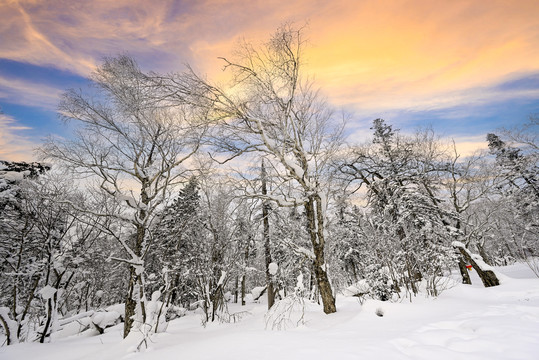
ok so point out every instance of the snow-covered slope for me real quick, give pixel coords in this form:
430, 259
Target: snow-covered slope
465, 322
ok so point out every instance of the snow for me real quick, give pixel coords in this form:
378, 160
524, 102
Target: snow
303, 251
299, 283
458, 244
47, 292
128, 199
139, 269
222, 278
104, 319
119, 308
465, 322
362, 287
273, 268
297, 170
15, 176
156, 295
482, 265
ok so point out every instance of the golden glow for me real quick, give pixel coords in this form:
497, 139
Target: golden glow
14, 145
422, 49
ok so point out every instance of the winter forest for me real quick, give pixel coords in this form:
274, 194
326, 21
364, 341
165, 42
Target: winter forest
179, 195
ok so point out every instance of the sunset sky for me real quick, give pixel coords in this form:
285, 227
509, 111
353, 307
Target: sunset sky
464, 67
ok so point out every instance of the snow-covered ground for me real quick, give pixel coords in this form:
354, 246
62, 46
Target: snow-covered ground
465, 322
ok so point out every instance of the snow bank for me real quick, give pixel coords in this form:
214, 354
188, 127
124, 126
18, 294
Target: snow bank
119, 308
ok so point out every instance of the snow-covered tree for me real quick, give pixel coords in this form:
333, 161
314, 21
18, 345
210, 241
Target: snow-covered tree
517, 203
129, 148
20, 249
402, 176
42, 244
180, 257
272, 109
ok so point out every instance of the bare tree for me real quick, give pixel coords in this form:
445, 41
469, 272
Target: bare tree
272, 109
133, 148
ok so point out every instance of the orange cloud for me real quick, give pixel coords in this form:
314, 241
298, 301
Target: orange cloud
419, 50
365, 54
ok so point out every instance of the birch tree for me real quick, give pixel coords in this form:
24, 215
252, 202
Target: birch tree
272, 109
129, 148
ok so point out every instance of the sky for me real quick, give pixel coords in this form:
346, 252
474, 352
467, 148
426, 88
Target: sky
462, 67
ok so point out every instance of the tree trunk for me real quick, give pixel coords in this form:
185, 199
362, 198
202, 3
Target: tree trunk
315, 219
135, 283
244, 276
464, 272
133, 299
130, 302
243, 290
52, 307
11, 339
135, 279
236, 293
174, 293
483, 254
267, 241
20, 321
216, 301
488, 277
48, 322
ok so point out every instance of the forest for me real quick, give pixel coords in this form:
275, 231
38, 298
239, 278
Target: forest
176, 194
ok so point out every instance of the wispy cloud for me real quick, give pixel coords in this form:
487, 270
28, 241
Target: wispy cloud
402, 47
449, 99
26, 92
